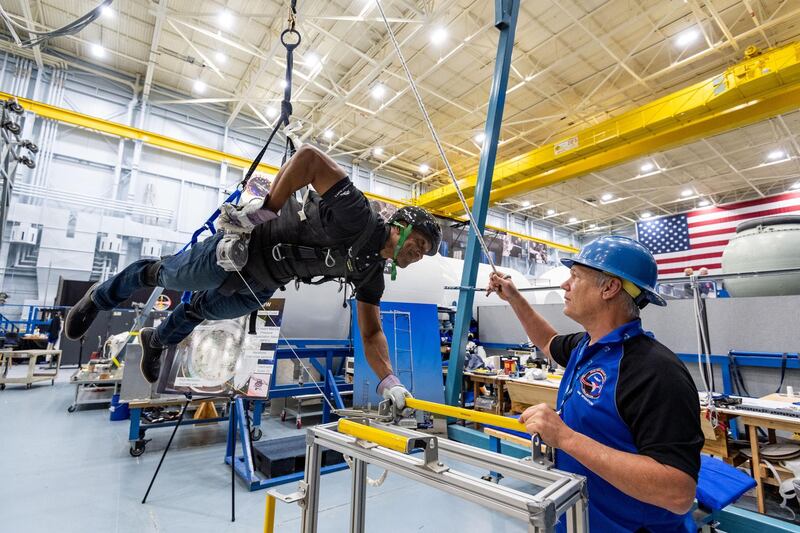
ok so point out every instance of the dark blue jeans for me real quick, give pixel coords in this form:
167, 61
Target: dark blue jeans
195, 270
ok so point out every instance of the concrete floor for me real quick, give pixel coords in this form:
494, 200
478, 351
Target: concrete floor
72, 473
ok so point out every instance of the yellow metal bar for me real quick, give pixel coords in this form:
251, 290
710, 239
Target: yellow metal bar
116, 129
67, 116
380, 437
466, 414
753, 90
269, 515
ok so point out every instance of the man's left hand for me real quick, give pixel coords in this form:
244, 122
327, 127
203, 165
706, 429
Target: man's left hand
547, 424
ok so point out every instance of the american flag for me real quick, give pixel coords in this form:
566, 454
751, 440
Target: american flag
697, 239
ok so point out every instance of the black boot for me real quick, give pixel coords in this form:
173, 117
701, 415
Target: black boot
81, 316
150, 364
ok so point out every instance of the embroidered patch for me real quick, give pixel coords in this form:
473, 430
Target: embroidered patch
592, 382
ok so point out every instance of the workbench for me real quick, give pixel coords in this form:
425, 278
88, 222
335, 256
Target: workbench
770, 422
524, 393
496, 380
34, 375
89, 381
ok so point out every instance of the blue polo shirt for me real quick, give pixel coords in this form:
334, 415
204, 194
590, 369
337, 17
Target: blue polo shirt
631, 393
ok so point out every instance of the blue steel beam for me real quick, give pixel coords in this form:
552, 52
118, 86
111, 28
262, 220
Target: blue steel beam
506, 12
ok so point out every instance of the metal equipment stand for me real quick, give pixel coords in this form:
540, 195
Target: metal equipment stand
562, 495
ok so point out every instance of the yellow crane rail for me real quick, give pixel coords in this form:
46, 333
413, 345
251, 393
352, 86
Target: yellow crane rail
759, 87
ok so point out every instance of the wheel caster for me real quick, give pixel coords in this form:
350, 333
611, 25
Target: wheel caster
283, 415
27, 161
256, 434
299, 424
13, 127
137, 449
72, 408
28, 386
30, 146
14, 107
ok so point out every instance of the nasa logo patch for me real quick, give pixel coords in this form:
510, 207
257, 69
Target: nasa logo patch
592, 382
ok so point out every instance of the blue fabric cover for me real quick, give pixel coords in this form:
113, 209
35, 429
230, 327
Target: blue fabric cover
719, 484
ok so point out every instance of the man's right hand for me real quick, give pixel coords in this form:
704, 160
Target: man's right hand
502, 285
391, 389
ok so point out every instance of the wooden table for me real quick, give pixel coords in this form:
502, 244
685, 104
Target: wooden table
524, 393
772, 423
497, 380
33, 375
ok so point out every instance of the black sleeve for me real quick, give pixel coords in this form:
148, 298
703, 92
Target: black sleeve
658, 400
370, 289
562, 345
344, 210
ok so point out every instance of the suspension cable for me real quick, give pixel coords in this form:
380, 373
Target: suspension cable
412, 84
282, 337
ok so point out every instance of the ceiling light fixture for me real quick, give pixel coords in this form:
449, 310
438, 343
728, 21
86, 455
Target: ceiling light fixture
687, 193
220, 58
572, 220
377, 151
97, 50
107, 12
551, 212
225, 19
199, 86
592, 226
438, 36
328, 135
647, 167
378, 91
526, 203
703, 203
646, 215
606, 197
283, 84
312, 60
776, 154
480, 137
687, 37
424, 168
271, 112
795, 185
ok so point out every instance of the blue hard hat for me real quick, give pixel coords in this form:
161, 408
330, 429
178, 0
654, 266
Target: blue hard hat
625, 258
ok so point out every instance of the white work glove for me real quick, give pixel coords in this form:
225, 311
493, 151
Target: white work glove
391, 389
243, 218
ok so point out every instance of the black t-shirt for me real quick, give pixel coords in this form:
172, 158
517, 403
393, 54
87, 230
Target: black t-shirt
345, 212
656, 398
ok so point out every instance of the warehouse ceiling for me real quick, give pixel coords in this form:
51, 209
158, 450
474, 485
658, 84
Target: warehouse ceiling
575, 64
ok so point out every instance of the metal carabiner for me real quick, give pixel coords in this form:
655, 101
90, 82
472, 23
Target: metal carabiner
330, 262
276, 253
295, 34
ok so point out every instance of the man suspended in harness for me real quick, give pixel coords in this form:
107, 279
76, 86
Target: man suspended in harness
332, 235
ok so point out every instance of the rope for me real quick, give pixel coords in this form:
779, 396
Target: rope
412, 84
371, 482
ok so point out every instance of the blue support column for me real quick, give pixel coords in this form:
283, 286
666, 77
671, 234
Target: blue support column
506, 12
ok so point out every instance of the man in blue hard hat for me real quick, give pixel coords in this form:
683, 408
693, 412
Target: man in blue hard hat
628, 413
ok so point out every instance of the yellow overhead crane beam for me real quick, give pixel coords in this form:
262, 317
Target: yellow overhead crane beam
67, 116
74, 118
758, 88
